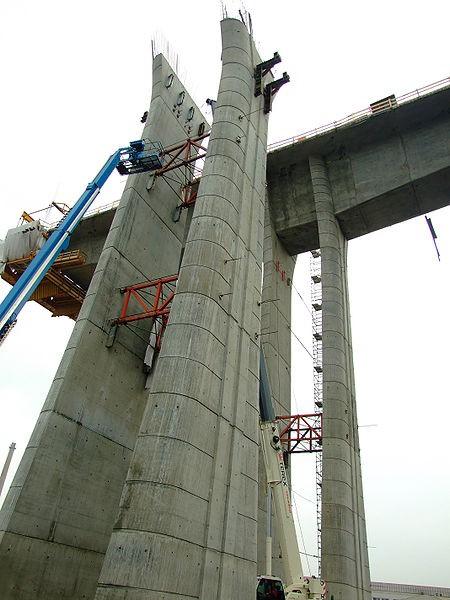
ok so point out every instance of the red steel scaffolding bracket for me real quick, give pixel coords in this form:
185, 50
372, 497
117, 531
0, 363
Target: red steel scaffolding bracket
301, 433
184, 155
153, 298
180, 155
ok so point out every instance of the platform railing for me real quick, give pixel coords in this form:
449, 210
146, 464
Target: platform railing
90, 213
360, 115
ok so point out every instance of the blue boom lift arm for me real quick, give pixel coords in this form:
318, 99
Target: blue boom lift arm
138, 157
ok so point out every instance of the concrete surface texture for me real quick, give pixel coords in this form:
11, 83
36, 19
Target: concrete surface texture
345, 564
276, 343
58, 515
187, 525
387, 168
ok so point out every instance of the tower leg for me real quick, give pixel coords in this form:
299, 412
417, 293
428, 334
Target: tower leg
188, 516
57, 518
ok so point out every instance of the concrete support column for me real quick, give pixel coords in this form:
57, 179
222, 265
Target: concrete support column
276, 343
188, 516
345, 564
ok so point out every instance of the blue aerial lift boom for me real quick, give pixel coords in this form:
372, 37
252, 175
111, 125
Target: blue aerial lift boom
138, 157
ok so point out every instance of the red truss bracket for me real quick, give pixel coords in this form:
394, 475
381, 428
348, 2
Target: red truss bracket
301, 433
148, 300
183, 154
153, 297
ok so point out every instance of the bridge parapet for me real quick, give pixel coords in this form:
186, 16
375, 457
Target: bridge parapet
383, 169
388, 103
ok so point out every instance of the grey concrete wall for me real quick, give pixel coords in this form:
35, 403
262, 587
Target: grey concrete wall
276, 343
187, 525
58, 515
345, 565
388, 168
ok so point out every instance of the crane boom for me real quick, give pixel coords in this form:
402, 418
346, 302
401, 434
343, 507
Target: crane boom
135, 158
278, 482
298, 587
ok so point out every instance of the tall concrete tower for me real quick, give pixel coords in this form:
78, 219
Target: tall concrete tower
58, 516
135, 486
187, 525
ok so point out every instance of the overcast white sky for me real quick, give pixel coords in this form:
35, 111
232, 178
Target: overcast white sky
77, 77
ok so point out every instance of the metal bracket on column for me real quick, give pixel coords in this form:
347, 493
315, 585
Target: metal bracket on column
301, 433
147, 300
152, 297
271, 89
262, 69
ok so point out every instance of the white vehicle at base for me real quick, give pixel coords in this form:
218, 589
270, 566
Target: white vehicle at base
297, 586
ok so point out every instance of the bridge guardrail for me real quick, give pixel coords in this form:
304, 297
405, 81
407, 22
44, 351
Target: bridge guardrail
360, 115
90, 213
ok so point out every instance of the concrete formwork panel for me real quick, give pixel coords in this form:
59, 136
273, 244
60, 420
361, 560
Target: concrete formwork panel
59, 513
188, 516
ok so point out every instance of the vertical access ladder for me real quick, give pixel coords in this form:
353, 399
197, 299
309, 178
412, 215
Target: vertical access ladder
316, 301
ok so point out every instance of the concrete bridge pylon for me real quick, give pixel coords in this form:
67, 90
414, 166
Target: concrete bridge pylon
187, 524
58, 515
139, 487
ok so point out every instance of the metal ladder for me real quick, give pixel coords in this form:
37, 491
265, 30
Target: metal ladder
316, 301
